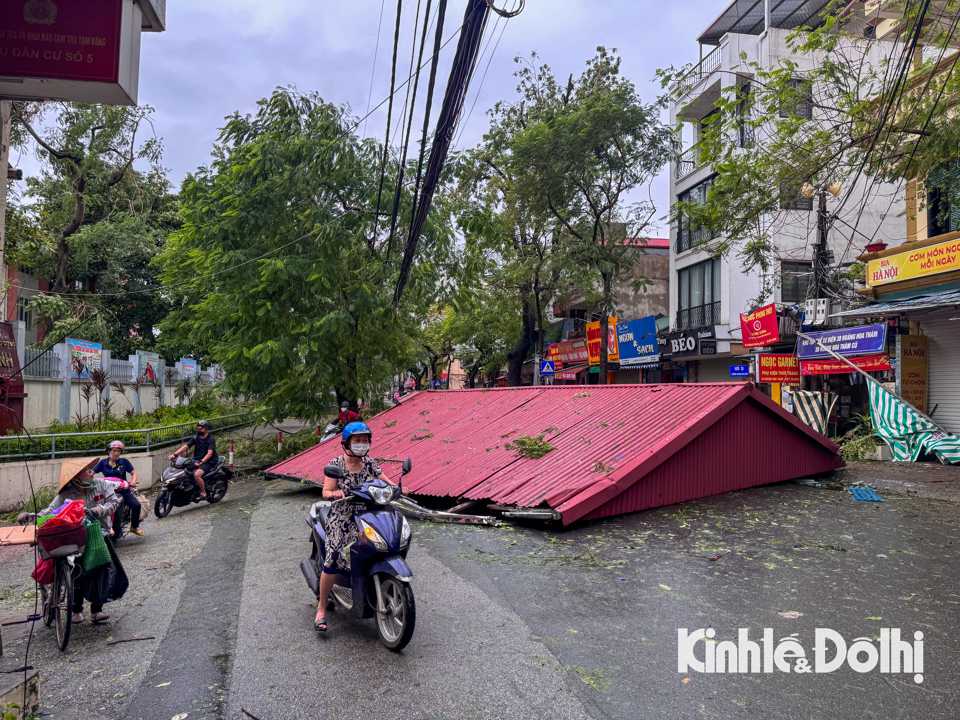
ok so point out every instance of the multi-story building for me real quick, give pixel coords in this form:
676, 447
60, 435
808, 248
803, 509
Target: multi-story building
708, 293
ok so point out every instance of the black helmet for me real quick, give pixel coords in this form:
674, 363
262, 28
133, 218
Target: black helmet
344, 405
205, 424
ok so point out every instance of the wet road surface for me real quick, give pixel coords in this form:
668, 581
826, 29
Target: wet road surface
518, 622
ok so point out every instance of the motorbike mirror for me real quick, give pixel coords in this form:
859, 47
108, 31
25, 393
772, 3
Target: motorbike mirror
332, 471
407, 466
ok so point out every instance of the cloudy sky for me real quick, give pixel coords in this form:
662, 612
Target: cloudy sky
220, 56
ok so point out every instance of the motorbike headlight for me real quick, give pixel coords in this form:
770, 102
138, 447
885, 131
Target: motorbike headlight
405, 533
373, 536
382, 495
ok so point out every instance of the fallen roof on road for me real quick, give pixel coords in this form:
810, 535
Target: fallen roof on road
617, 448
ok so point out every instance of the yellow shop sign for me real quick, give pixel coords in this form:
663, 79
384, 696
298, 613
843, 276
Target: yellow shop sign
914, 264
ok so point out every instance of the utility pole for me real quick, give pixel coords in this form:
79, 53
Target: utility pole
6, 110
820, 246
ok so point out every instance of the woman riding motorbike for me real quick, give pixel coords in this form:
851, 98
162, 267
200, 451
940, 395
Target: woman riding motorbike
358, 468
116, 467
77, 483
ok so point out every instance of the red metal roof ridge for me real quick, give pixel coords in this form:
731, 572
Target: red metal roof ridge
792, 419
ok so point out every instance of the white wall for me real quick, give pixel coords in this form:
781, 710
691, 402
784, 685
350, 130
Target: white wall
41, 407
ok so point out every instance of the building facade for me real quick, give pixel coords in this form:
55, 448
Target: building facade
707, 293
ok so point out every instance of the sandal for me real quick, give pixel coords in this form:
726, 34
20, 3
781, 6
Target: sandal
138, 531
320, 625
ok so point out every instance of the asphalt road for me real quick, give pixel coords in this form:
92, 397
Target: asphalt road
517, 622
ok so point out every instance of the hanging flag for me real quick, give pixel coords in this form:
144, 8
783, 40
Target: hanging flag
907, 432
760, 327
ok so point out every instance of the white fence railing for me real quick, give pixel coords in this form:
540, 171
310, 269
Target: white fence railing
38, 364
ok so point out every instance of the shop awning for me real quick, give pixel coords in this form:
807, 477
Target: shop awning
572, 373
897, 307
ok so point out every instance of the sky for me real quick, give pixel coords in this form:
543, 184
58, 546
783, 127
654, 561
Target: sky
218, 57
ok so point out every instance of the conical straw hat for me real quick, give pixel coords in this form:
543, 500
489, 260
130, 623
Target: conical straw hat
71, 468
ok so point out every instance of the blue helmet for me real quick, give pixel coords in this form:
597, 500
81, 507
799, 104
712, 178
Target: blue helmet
355, 428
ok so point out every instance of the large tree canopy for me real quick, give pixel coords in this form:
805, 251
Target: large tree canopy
282, 268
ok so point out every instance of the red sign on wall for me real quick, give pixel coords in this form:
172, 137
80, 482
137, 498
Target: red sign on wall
830, 366
61, 39
760, 327
778, 368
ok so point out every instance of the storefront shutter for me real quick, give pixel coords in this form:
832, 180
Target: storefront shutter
943, 348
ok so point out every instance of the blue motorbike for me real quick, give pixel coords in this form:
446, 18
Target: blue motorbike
378, 582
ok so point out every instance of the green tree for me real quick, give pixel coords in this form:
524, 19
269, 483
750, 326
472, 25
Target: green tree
282, 269
593, 147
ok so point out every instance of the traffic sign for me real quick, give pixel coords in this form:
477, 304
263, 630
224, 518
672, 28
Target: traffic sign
546, 368
437, 384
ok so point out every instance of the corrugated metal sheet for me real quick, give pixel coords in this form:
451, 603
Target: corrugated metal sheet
606, 437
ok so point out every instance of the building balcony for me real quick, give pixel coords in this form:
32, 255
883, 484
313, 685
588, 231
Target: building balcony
688, 163
698, 73
700, 316
689, 239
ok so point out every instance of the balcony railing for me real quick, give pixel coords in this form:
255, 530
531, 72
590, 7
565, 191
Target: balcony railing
687, 163
706, 66
688, 239
698, 317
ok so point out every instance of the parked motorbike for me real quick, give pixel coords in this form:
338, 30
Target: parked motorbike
378, 582
331, 430
180, 489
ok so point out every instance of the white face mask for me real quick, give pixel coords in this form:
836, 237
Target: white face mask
359, 449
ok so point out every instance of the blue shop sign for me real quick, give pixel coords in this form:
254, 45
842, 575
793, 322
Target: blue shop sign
739, 371
638, 341
849, 341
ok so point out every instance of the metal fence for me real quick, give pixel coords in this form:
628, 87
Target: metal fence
52, 446
48, 365
704, 68
698, 317
687, 163
122, 370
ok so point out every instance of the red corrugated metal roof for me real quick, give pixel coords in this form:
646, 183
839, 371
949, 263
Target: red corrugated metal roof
606, 438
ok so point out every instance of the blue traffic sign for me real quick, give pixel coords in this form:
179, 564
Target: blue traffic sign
739, 371
546, 368
437, 384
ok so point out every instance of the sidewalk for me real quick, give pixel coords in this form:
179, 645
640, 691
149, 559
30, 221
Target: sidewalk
925, 479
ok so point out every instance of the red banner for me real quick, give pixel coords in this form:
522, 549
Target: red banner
553, 355
61, 40
778, 368
830, 366
573, 351
760, 327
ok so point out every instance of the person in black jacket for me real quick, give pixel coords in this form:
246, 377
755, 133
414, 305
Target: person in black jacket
204, 453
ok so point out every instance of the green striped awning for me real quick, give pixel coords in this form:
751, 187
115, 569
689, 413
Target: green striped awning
907, 432
814, 408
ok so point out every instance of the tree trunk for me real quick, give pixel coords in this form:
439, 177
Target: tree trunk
517, 356
604, 330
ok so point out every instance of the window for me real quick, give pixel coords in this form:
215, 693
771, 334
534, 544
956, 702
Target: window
791, 199
699, 295
688, 236
23, 315
943, 199
744, 129
800, 100
796, 279
25, 270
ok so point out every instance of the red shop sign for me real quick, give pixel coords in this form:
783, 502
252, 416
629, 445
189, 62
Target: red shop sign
830, 366
62, 40
760, 328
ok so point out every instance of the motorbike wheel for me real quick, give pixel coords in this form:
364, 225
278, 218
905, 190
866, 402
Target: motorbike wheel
218, 491
164, 504
47, 605
396, 625
124, 512
62, 600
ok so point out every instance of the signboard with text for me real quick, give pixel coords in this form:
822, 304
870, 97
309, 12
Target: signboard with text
760, 328
594, 340
832, 366
148, 366
739, 371
189, 367
61, 40
914, 264
912, 370
86, 356
773, 368
553, 355
573, 351
637, 341
860, 340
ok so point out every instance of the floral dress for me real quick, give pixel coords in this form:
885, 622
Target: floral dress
341, 527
